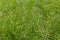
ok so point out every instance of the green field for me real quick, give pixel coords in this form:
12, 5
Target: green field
29, 19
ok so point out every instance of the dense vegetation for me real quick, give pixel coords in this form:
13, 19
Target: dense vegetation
29, 19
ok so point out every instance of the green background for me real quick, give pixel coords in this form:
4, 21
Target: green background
29, 19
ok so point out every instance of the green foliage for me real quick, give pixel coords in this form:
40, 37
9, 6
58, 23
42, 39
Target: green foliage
29, 19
